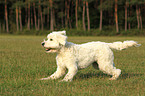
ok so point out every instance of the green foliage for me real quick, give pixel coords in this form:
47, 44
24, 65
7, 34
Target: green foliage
18, 4
32, 32
133, 32
24, 61
108, 31
106, 5
134, 2
60, 16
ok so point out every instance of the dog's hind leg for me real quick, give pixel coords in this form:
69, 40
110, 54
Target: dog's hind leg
105, 59
111, 70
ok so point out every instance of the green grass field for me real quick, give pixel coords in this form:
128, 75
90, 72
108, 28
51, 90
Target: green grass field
23, 61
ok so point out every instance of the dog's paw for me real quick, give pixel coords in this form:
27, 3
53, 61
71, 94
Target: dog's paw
112, 78
45, 78
65, 80
116, 75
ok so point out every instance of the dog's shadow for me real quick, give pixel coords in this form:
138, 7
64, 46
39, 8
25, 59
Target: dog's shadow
91, 75
130, 75
102, 75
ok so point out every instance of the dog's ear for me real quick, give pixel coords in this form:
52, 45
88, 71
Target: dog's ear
62, 39
63, 32
60, 32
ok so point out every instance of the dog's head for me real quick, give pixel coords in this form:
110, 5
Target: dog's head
54, 41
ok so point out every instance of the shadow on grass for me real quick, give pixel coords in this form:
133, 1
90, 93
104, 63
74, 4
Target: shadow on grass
91, 75
102, 75
130, 75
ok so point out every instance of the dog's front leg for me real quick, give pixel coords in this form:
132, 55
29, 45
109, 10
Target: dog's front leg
59, 72
71, 72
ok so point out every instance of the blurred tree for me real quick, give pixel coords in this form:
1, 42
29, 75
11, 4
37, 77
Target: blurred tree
28, 21
137, 4
76, 13
51, 16
40, 12
126, 6
116, 16
68, 13
21, 4
17, 22
101, 15
88, 17
83, 16
6, 17
35, 17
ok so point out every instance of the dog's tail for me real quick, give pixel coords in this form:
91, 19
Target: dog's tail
123, 45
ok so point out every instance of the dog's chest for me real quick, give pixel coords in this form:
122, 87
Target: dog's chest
65, 58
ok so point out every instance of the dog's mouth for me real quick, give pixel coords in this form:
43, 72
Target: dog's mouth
48, 49
51, 50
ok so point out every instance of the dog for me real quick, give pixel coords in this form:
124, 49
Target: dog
78, 56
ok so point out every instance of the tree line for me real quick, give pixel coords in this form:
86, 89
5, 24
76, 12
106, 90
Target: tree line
19, 15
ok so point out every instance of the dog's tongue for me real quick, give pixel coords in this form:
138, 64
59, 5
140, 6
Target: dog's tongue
48, 49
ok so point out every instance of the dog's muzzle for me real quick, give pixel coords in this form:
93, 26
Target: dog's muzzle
43, 43
48, 49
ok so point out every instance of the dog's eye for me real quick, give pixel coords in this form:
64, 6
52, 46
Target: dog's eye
51, 39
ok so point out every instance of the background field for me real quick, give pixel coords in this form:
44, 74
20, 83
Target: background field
23, 61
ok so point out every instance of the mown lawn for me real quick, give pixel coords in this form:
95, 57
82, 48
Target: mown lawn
23, 61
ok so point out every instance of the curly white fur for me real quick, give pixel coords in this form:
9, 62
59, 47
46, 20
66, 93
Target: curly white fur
78, 56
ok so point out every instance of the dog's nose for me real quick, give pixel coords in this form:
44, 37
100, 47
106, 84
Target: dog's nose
42, 43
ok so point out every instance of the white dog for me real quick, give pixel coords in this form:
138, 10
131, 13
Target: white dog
78, 56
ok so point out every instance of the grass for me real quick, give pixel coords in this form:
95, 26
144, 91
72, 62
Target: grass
23, 61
